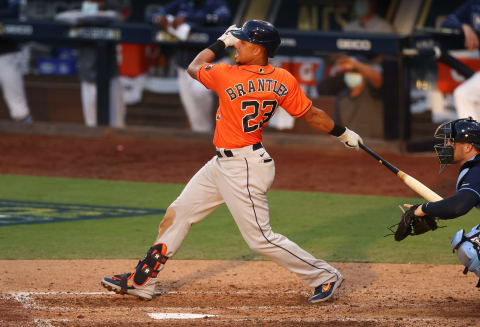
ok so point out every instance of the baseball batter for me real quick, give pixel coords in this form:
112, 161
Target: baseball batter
242, 170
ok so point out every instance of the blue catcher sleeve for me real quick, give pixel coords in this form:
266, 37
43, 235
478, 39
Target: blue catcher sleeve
455, 206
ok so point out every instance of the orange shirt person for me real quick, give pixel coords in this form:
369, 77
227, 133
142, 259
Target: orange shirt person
248, 97
242, 171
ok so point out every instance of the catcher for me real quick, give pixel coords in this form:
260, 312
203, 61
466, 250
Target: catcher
461, 145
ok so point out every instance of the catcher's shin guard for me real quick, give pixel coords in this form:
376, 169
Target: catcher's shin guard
142, 282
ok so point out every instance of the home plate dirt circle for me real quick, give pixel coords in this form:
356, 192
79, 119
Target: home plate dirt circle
235, 293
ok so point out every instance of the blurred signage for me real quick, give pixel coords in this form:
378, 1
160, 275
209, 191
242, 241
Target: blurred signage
16, 29
304, 69
56, 66
289, 42
163, 36
354, 44
96, 33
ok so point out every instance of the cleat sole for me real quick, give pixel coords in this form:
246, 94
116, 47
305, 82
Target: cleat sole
337, 286
121, 291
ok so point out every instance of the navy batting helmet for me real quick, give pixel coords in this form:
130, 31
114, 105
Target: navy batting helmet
261, 33
464, 130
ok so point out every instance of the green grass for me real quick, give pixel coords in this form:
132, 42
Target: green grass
334, 227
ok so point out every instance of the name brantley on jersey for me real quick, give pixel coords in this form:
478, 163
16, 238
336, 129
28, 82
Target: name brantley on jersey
258, 85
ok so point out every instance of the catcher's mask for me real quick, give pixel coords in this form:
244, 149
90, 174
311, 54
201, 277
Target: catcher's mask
259, 32
464, 130
468, 249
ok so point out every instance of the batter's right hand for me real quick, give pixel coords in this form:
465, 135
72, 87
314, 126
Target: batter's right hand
350, 139
228, 38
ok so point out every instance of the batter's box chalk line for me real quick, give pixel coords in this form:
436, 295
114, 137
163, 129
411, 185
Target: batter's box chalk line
173, 315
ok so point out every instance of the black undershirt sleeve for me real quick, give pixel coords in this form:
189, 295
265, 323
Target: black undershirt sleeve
455, 206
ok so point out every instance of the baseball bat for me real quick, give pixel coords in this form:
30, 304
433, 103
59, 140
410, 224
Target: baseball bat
411, 182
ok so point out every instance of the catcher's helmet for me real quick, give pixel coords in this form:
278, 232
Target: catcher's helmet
261, 33
468, 249
464, 130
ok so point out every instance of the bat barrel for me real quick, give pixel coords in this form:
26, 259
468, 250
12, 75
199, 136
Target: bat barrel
411, 182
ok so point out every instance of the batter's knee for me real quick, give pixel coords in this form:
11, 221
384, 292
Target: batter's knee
258, 246
265, 243
167, 221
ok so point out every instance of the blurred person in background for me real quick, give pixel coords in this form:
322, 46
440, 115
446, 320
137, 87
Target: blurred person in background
360, 104
179, 17
96, 12
366, 21
11, 76
467, 95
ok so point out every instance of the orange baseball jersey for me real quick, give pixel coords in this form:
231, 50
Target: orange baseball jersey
248, 97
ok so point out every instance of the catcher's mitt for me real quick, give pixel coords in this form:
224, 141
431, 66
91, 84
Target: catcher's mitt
410, 224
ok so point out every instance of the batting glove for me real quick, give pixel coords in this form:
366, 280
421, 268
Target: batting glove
228, 38
350, 139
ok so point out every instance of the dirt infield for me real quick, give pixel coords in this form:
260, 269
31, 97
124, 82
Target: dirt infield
68, 293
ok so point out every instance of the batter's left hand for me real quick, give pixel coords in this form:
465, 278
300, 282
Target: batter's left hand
350, 139
228, 38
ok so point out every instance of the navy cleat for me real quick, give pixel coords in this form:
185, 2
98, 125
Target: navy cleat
325, 291
124, 284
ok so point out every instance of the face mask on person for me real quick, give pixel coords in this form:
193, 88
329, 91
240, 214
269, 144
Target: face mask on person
361, 8
89, 7
353, 79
